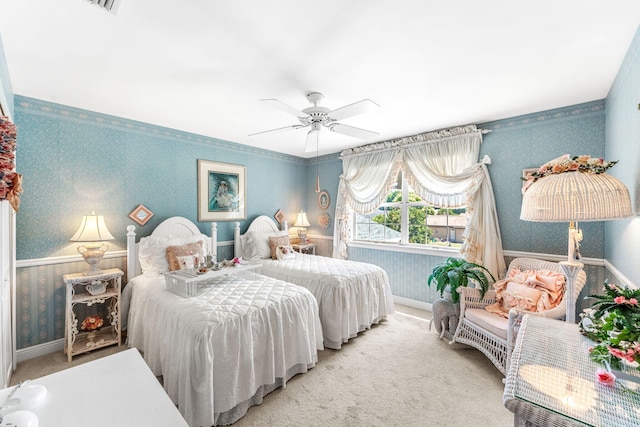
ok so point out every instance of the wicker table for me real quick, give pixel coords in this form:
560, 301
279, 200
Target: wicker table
551, 381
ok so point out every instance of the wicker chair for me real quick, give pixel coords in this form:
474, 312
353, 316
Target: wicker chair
493, 334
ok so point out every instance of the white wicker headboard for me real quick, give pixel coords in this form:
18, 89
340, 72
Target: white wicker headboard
174, 226
262, 224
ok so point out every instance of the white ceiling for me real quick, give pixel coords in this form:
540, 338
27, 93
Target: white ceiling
203, 65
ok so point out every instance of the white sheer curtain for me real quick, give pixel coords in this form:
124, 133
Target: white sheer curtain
442, 168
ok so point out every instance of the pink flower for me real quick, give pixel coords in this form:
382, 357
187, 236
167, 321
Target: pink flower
633, 301
620, 300
617, 353
605, 377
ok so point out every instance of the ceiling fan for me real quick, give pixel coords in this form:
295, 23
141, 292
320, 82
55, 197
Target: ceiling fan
315, 117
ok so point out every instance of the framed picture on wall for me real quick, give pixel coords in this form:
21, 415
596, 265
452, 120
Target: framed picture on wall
323, 200
221, 191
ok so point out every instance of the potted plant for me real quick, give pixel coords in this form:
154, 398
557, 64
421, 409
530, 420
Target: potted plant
456, 272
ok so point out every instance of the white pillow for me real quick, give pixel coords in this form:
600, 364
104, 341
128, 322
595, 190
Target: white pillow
152, 251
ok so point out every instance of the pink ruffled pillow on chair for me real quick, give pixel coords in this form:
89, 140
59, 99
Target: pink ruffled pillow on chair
530, 290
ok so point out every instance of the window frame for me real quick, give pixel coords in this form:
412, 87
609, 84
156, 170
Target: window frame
404, 243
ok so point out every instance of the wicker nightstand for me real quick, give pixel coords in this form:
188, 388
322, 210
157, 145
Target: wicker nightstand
94, 299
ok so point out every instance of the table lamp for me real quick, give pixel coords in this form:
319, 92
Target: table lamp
571, 190
301, 223
93, 230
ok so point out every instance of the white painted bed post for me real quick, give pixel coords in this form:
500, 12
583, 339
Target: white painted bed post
214, 242
285, 225
237, 250
132, 256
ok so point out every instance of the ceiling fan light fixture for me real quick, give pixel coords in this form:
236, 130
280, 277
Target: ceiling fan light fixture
108, 5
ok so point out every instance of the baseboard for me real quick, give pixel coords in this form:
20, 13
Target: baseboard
426, 306
39, 350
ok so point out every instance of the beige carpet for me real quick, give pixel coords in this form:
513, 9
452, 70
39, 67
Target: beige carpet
396, 374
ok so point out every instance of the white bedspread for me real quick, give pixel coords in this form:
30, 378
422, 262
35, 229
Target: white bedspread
217, 350
351, 295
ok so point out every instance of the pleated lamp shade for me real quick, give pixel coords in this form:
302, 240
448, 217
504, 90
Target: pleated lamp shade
576, 196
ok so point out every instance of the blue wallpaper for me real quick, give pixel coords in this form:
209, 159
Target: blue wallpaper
622, 242
530, 141
75, 161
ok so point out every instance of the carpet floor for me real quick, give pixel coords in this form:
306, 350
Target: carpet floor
398, 373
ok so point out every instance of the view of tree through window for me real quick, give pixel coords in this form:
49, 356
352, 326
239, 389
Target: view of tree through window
424, 224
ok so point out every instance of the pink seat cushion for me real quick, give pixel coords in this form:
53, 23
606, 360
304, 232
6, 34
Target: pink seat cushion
491, 322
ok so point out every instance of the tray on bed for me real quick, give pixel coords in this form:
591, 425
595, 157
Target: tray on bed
185, 283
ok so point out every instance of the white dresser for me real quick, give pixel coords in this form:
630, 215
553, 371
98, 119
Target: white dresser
117, 390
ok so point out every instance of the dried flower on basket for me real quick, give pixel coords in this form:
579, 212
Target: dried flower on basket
566, 163
92, 323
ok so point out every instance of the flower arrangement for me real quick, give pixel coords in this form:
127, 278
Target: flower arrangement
613, 322
566, 163
92, 323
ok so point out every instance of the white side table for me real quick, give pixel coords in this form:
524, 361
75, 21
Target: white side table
306, 248
77, 340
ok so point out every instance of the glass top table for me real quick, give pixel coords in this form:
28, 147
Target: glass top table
552, 380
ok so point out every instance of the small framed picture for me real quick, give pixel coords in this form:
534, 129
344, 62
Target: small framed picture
323, 200
279, 216
141, 215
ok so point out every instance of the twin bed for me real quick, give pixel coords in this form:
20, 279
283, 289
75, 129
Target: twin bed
243, 335
351, 295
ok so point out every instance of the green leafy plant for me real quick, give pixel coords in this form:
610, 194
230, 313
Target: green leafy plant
456, 272
613, 321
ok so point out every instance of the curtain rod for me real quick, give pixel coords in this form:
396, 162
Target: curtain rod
426, 137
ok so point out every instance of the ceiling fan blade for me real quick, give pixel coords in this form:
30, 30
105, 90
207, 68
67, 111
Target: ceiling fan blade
312, 141
352, 131
352, 109
284, 107
292, 127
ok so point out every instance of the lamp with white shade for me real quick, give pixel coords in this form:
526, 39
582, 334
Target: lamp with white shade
302, 222
92, 230
571, 190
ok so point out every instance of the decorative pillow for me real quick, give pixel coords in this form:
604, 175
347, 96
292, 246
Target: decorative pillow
520, 296
531, 290
187, 262
275, 241
284, 252
152, 251
192, 249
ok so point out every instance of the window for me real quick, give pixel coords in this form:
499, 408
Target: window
405, 219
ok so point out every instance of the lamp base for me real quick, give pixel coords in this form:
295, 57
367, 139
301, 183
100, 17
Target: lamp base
302, 234
571, 270
92, 254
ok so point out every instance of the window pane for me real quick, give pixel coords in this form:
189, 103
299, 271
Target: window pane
379, 226
426, 225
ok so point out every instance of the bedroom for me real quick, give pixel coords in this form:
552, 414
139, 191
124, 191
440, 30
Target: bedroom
76, 160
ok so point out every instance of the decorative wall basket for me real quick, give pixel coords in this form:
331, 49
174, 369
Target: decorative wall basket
10, 181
